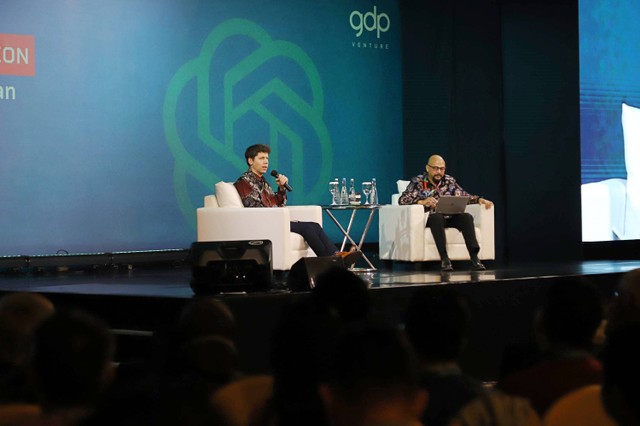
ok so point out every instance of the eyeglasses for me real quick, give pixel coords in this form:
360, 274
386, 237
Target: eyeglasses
436, 168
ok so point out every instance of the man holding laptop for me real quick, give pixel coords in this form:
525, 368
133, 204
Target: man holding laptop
432, 190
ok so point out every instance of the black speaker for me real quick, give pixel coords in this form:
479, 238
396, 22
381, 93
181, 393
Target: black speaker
231, 266
303, 273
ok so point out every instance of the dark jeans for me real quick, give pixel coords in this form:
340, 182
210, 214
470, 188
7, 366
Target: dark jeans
463, 222
315, 236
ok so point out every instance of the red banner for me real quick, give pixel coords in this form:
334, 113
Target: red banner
17, 55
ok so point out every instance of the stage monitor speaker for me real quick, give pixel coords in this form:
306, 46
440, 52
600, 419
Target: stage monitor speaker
303, 273
231, 266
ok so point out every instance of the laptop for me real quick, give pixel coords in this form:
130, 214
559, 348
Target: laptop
452, 204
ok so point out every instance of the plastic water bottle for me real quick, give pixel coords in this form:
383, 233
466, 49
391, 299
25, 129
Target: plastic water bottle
352, 191
374, 192
344, 198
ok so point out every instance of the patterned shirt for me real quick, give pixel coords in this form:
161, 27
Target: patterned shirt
420, 189
255, 191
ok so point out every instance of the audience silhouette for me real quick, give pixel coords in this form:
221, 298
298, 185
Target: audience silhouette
565, 326
372, 379
72, 366
620, 392
438, 323
330, 364
20, 314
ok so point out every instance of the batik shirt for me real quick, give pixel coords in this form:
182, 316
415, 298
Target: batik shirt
255, 191
420, 189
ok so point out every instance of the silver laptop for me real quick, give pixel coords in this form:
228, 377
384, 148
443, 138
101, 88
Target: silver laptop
452, 204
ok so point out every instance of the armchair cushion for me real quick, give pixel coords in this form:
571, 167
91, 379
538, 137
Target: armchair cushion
402, 185
227, 195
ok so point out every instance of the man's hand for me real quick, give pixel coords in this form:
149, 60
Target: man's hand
487, 204
281, 180
429, 202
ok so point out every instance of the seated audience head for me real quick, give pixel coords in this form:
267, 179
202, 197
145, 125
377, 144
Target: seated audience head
569, 317
20, 314
625, 307
438, 322
72, 360
620, 360
203, 342
372, 377
206, 316
300, 344
343, 291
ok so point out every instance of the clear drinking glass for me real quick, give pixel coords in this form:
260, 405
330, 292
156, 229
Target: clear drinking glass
333, 189
366, 190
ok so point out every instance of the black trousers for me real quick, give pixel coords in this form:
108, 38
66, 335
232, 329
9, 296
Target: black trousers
315, 236
463, 222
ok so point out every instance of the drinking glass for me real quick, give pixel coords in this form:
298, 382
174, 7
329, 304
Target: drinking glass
366, 190
333, 189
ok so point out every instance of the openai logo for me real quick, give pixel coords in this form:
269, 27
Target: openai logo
231, 87
370, 21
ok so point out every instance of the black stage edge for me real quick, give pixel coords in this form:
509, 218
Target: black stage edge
137, 301
64, 262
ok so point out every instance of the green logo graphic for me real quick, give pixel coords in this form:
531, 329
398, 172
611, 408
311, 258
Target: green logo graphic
198, 71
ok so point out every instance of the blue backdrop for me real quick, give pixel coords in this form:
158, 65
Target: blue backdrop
137, 107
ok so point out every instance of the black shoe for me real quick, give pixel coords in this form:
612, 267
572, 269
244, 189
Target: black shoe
477, 265
349, 258
445, 265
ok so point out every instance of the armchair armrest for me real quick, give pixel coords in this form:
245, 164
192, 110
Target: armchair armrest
239, 223
305, 213
401, 230
484, 219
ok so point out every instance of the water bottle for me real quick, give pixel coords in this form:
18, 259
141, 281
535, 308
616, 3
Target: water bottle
344, 198
352, 192
374, 192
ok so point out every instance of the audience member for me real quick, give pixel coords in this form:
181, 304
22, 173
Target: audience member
299, 350
496, 408
620, 359
438, 323
300, 342
199, 358
72, 366
343, 291
565, 326
20, 314
582, 407
372, 379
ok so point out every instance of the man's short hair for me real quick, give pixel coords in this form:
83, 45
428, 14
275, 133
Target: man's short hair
256, 149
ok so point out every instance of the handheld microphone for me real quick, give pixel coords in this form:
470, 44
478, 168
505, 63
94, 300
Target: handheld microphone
275, 174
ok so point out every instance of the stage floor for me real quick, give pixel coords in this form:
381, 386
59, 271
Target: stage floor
173, 282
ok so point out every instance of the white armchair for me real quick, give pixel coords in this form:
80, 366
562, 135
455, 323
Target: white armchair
224, 218
404, 236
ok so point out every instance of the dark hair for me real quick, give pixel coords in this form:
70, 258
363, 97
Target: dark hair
372, 361
345, 292
620, 390
572, 313
438, 322
256, 149
72, 348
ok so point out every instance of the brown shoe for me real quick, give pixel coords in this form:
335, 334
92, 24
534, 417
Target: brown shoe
349, 258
